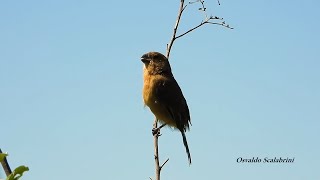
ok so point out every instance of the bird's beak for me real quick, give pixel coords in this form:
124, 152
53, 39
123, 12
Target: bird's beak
145, 59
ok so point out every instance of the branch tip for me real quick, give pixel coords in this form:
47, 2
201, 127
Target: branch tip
164, 163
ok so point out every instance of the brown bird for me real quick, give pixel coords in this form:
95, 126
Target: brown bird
162, 94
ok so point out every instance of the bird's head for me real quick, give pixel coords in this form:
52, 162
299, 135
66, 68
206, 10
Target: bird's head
156, 63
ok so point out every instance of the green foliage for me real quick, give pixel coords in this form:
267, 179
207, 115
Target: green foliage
18, 172
2, 156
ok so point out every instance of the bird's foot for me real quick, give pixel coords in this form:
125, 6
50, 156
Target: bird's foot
156, 131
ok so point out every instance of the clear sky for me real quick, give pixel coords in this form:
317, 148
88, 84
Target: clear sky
71, 80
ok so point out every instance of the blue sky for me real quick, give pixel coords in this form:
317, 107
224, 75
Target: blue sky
71, 80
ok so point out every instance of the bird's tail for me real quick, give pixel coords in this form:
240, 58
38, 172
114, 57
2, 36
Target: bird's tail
186, 145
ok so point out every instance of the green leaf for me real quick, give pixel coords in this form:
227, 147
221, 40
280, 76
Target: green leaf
2, 156
21, 169
10, 177
17, 173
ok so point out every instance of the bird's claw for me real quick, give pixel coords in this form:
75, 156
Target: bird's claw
156, 131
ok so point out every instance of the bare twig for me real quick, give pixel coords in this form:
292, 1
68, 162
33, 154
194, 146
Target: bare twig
156, 134
5, 165
156, 151
163, 125
207, 21
164, 163
181, 9
203, 8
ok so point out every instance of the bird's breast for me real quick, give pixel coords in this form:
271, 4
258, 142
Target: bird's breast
149, 96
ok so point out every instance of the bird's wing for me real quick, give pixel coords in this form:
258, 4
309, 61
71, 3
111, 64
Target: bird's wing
169, 94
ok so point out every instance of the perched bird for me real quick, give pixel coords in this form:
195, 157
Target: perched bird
162, 94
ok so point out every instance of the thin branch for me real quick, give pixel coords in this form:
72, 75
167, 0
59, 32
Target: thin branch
163, 125
202, 23
156, 151
181, 9
203, 8
164, 163
207, 21
202, 3
5, 165
156, 134
221, 24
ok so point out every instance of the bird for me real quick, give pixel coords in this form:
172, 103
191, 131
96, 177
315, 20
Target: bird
162, 94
